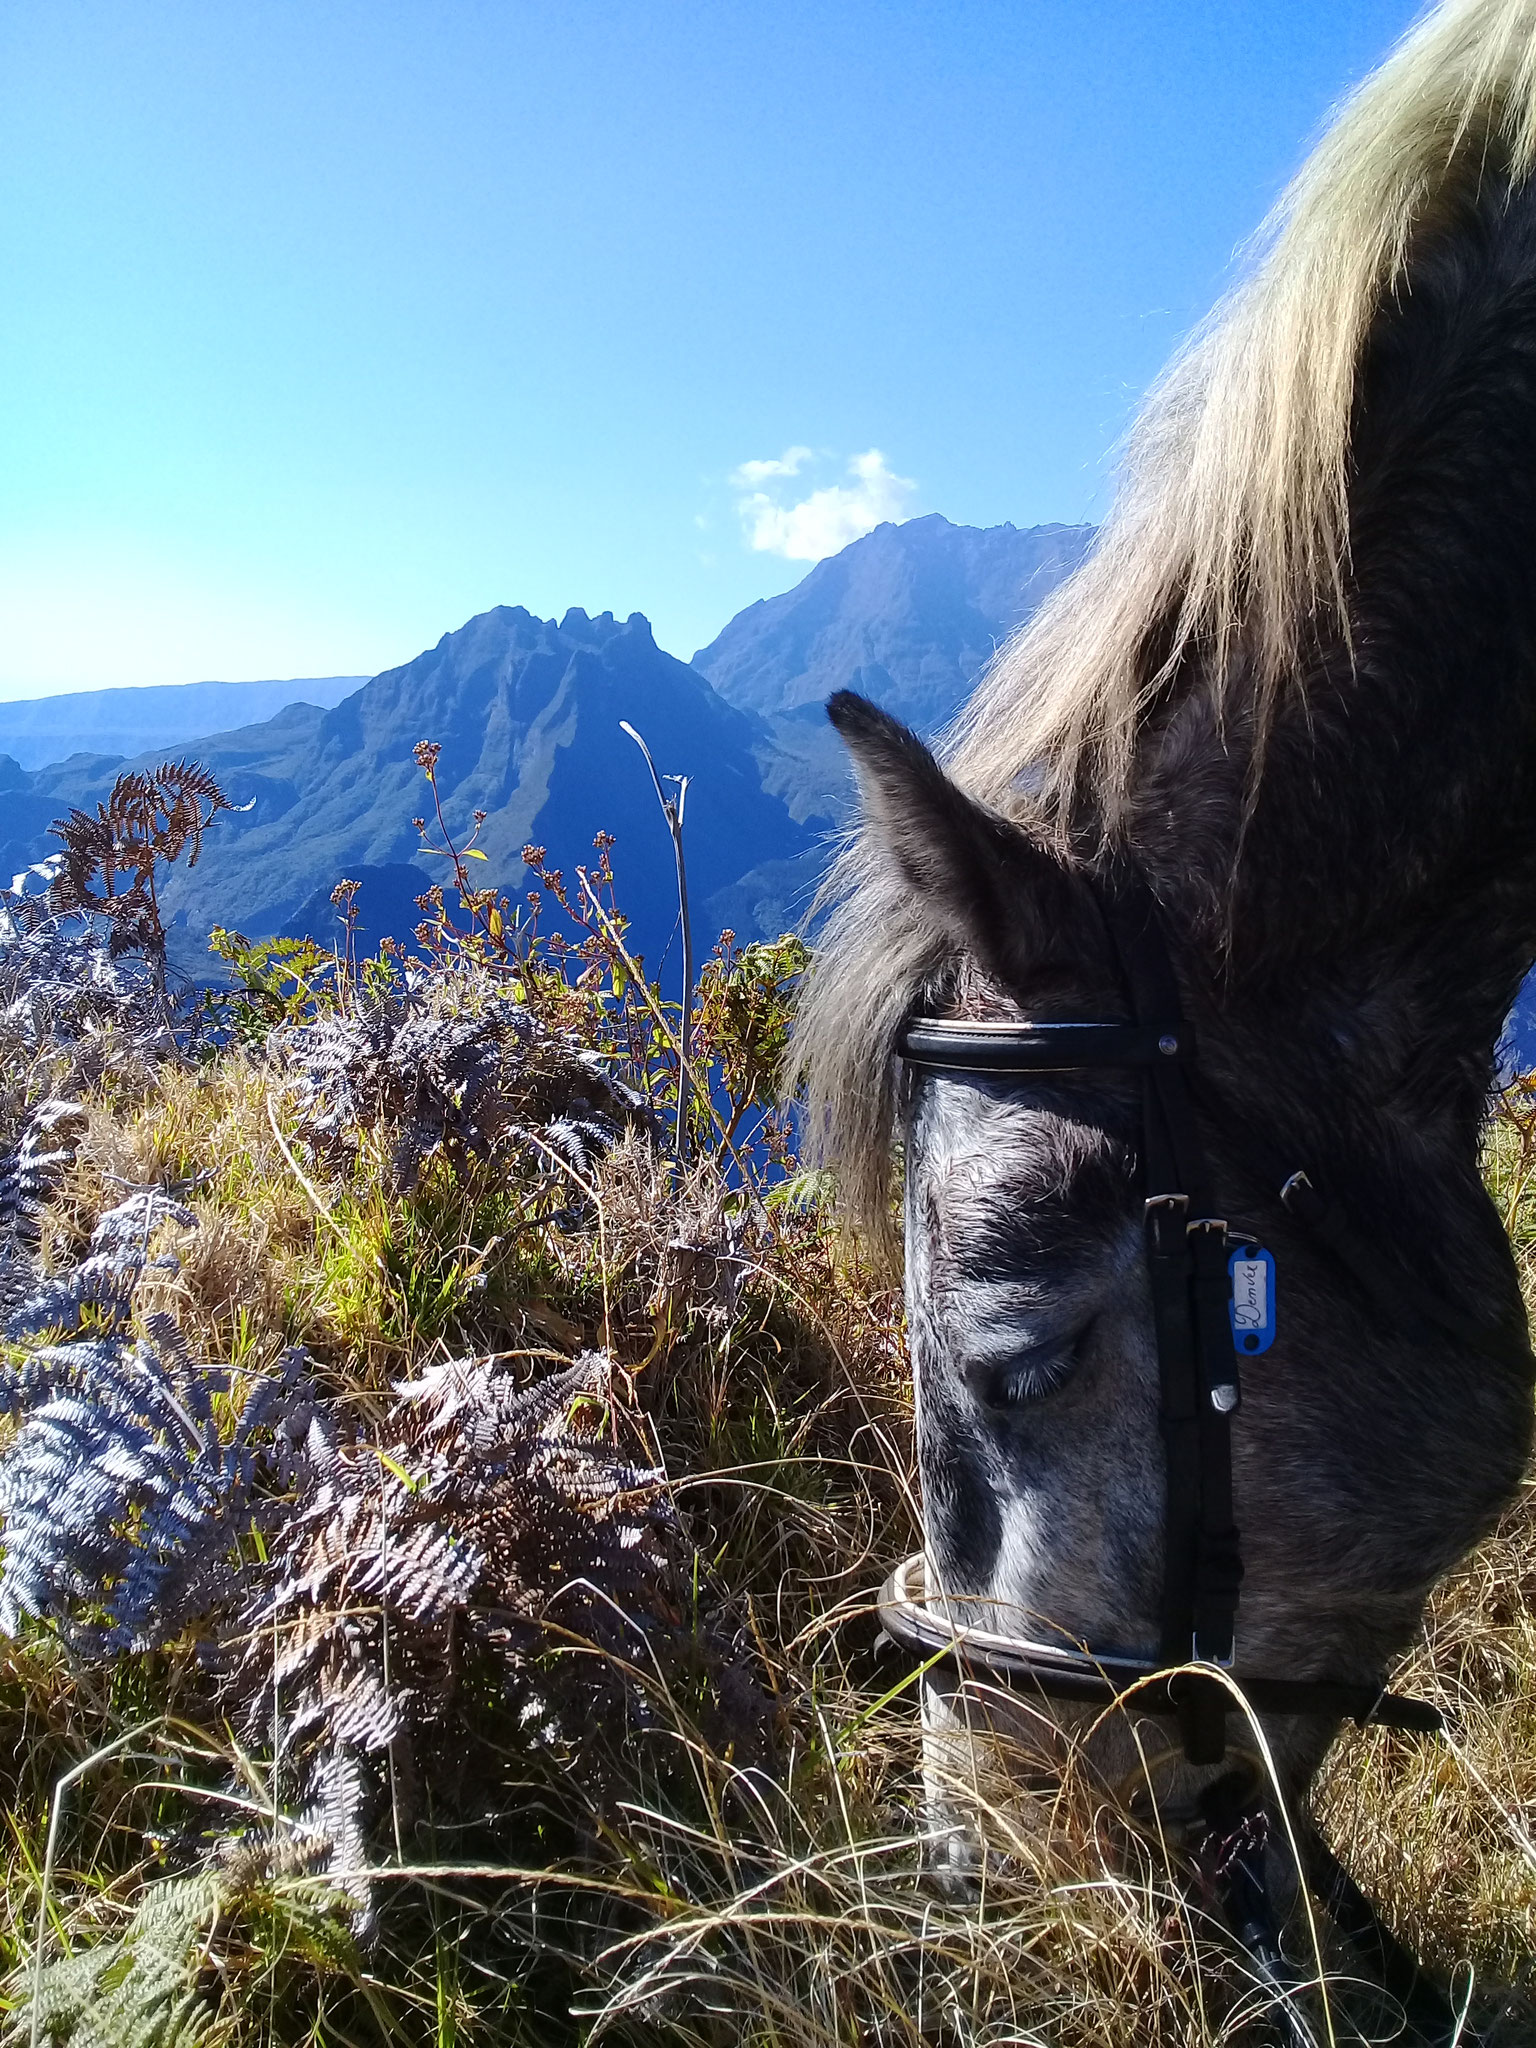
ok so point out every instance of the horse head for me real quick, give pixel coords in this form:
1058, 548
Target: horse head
1376, 1438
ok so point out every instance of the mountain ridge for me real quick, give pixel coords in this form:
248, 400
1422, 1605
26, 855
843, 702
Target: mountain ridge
527, 710
37, 732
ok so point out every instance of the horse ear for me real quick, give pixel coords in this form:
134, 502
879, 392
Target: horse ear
1007, 899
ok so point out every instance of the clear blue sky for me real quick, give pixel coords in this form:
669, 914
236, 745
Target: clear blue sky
329, 323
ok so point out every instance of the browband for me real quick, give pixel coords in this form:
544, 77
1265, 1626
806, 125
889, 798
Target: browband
961, 1046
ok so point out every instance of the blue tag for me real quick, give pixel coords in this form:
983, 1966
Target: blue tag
1252, 1307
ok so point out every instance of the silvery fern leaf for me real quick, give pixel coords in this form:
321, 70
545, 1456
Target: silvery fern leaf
489, 1513
121, 1500
139, 1991
469, 1081
101, 1287
98, 1289
124, 1233
62, 985
28, 1175
341, 1791
581, 1141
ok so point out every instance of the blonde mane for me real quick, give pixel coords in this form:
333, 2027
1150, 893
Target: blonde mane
1229, 532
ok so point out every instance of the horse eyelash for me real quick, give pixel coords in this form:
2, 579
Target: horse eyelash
1031, 1380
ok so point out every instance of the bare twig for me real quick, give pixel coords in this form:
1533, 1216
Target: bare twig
673, 813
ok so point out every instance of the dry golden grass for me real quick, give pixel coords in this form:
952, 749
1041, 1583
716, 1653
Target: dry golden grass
743, 1866
1440, 1833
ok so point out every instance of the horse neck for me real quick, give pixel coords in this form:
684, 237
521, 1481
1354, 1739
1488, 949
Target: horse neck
1373, 881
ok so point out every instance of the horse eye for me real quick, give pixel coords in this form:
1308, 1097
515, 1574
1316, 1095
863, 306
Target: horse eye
1029, 1379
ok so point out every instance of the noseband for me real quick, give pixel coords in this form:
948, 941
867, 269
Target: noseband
1188, 1245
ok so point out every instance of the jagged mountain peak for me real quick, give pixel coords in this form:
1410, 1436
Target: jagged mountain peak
909, 614
526, 713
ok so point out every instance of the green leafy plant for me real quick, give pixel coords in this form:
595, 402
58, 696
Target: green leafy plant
746, 1003
277, 981
489, 938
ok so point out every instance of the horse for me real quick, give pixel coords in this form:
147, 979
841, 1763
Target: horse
1288, 702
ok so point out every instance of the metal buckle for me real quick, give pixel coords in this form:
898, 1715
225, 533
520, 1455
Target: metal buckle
1163, 1217
1299, 1179
1215, 1223
1216, 1663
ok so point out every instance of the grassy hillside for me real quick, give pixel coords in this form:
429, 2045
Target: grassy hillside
443, 1504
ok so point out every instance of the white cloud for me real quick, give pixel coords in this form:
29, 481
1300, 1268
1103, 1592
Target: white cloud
829, 518
751, 476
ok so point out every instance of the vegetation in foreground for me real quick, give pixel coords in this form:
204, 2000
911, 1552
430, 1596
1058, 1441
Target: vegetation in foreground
445, 1483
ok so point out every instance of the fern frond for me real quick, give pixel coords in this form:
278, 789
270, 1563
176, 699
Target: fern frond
124, 1232
100, 1288
146, 819
27, 1178
472, 1083
67, 985
489, 1512
139, 1991
340, 1794
28, 1175
121, 1500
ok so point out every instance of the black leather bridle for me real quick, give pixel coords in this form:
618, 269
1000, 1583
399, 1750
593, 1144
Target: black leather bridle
1187, 1244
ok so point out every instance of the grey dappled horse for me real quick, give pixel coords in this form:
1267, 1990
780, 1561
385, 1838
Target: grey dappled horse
1295, 686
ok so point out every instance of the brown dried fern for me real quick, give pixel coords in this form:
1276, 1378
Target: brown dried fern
147, 819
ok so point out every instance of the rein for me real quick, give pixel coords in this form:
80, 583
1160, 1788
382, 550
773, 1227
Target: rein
1188, 1245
